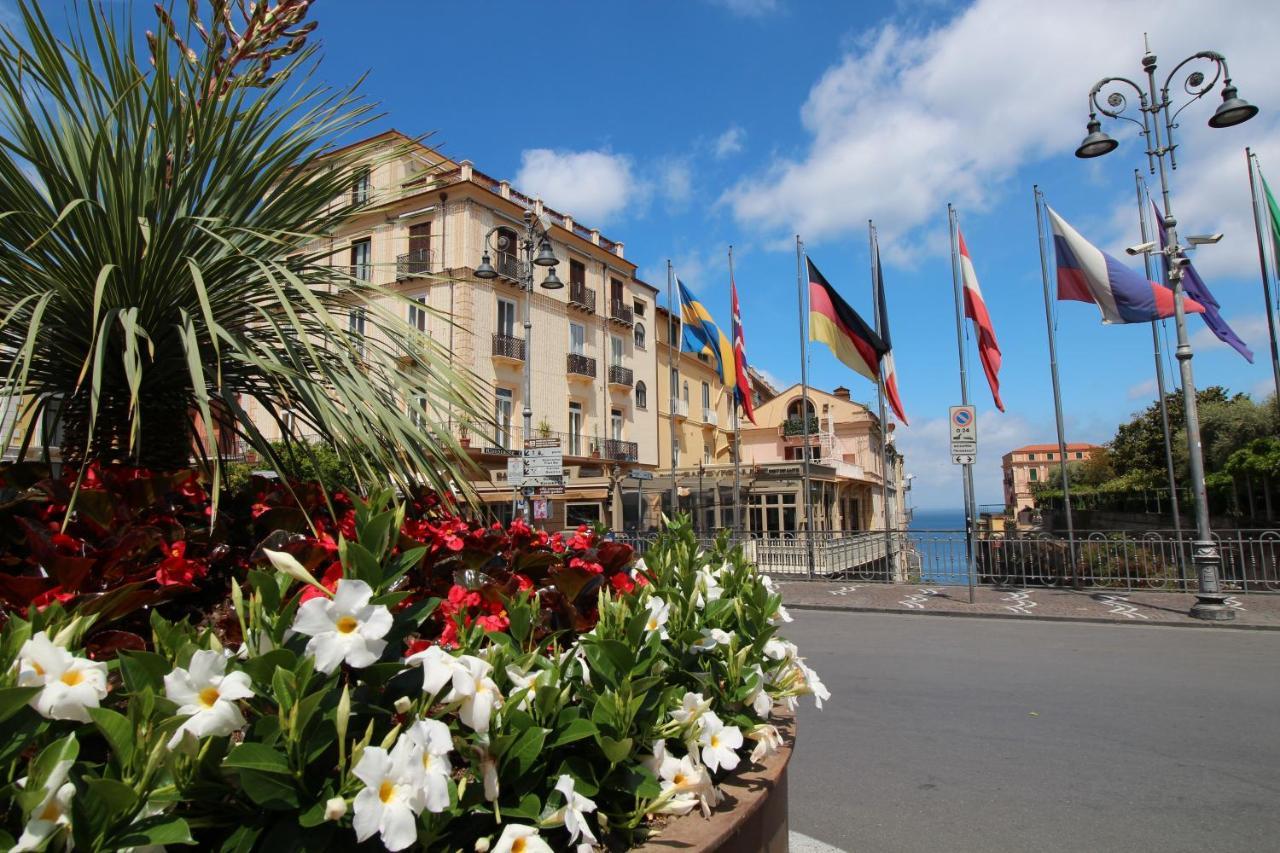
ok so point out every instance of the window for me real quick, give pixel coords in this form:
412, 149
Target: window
418, 313
1079, 455
418, 412
639, 333
793, 410
577, 339
638, 306
419, 260
1031, 456
673, 330
51, 421
772, 514
361, 257
706, 398
503, 407
577, 272
1034, 474
706, 454
575, 429
615, 424
360, 186
578, 514
642, 395
1050, 457
615, 351
615, 291
506, 318
355, 325
685, 395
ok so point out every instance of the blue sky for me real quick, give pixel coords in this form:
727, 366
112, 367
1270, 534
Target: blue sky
683, 127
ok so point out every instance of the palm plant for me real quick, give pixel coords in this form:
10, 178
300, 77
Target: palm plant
165, 264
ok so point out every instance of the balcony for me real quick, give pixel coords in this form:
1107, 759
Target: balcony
582, 297
709, 417
413, 264
579, 366
622, 377
618, 450
620, 312
679, 408
508, 266
795, 426
508, 348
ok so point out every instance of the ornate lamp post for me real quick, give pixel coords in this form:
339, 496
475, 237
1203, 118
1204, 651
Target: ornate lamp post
1158, 119
536, 234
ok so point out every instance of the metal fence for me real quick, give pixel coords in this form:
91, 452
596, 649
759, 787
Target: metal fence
1126, 560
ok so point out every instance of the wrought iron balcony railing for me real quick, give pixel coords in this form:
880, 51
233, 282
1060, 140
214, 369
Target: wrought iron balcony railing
618, 450
415, 263
619, 375
581, 365
505, 346
620, 311
581, 296
509, 266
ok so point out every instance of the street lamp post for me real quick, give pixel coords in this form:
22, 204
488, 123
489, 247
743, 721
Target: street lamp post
1158, 116
537, 231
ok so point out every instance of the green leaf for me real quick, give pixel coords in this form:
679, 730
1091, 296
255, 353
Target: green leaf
242, 840
158, 830
529, 808
263, 667
523, 754
141, 670
259, 757
576, 730
269, 789
615, 750
14, 699
118, 731
112, 797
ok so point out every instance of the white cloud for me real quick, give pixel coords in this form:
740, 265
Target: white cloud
1252, 329
593, 186
909, 120
1143, 390
730, 142
748, 8
927, 451
675, 182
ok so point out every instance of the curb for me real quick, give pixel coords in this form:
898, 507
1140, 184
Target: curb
1039, 617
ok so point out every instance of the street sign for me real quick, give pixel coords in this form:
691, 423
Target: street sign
549, 490
534, 480
640, 475
515, 472
540, 443
963, 430
532, 468
542, 452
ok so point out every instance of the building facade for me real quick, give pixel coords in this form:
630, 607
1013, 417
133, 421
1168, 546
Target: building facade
1026, 468
427, 224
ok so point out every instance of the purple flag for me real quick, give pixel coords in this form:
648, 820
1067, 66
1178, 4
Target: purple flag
1197, 290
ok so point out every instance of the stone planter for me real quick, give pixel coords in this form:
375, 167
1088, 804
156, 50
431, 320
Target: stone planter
753, 816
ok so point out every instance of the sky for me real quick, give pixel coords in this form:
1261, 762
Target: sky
681, 128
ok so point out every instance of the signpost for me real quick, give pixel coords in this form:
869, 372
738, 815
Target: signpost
640, 477
542, 467
964, 435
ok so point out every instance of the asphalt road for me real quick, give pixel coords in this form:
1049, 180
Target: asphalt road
994, 735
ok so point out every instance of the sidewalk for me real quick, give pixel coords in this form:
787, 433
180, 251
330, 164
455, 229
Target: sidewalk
1258, 611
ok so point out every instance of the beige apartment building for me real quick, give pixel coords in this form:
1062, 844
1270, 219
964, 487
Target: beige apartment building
1026, 468
591, 354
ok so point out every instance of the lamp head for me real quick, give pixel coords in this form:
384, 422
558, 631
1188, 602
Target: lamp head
552, 281
546, 257
1233, 110
1096, 143
485, 270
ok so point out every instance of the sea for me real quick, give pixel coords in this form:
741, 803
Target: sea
938, 543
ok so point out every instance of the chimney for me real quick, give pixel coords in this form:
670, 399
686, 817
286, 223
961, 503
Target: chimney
841, 393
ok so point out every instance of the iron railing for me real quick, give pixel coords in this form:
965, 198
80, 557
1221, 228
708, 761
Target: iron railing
621, 311
507, 265
506, 346
415, 263
581, 296
581, 365
619, 375
619, 450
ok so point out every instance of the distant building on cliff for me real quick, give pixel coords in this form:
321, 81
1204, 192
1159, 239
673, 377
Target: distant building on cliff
1025, 468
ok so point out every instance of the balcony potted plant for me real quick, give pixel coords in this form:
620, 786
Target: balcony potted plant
464, 431
544, 428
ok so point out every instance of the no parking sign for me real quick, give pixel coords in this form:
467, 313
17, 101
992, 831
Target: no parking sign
964, 435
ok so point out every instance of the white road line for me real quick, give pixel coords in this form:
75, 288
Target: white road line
918, 599
1020, 603
1120, 606
844, 590
800, 843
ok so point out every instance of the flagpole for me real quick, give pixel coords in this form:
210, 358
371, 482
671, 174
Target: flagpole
804, 415
970, 511
733, 405
884, 422
1251, 160
675, 392
1160, 387
1057, 391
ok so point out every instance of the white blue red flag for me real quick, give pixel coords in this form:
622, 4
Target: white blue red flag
742, 387
1088, 274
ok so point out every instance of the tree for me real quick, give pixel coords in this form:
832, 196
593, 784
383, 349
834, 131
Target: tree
162, 261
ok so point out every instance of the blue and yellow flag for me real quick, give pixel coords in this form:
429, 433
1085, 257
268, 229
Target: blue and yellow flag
702, 335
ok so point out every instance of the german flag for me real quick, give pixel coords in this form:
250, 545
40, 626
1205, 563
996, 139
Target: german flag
834, 323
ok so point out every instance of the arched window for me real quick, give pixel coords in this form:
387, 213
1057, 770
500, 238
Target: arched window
796, 406
639, 332
642, 395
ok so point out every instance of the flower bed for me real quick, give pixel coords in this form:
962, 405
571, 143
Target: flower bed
323, 671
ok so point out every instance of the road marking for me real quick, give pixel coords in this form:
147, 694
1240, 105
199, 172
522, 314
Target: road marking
1233, 602
800, 843
1120, 606
1021, 603
844, 590
918, 599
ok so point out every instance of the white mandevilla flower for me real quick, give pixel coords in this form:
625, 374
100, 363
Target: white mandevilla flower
52, 813
70, 684
574, 812
712, 637
692, 706
433, 742
438, 667
686, 784
393, 795
780, 616
812, 684
528, 680
759, 699
659, 612
475, 691
206, 696
718, 743
344, 628
768, 741
706, 588
517, 838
